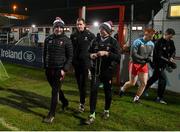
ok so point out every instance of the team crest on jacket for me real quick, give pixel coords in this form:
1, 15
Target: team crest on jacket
86, 38
60, 43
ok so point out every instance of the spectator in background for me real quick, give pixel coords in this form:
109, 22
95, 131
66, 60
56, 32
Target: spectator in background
157, 36
36, 38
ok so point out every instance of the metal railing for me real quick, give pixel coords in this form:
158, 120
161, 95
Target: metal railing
4, 38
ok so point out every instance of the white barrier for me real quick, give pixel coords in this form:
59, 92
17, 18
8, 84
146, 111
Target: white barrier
173, 83
173, 79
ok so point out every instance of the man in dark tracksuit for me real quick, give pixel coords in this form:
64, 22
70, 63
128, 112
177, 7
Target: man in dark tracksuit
81, 41
164, 53
58, 53
105, 54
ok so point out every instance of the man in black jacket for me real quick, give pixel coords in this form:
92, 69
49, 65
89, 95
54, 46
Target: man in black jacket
58, 53
104, 54
163, 56
81, 41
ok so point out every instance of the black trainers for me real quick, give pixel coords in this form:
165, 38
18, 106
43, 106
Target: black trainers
105, 115
81, 108
161, 101
48, 119
90, 120
65, 105
121, 93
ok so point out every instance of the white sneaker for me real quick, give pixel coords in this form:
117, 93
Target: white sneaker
163, 102
90, 120
105, 115
81, 108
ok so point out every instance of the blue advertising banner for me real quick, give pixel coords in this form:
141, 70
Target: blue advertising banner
28, 56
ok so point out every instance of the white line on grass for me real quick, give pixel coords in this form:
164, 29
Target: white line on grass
7, 125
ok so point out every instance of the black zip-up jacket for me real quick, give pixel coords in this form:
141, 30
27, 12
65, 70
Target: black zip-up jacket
111, 45
58, 52
163, 51
81, 42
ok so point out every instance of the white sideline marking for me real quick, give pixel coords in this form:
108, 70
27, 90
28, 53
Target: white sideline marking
6, 125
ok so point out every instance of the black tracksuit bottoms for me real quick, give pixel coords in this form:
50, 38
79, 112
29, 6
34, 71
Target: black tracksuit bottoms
158, 74
107, 83
53, 77
81, 74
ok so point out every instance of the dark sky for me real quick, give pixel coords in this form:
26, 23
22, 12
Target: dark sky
44, 11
